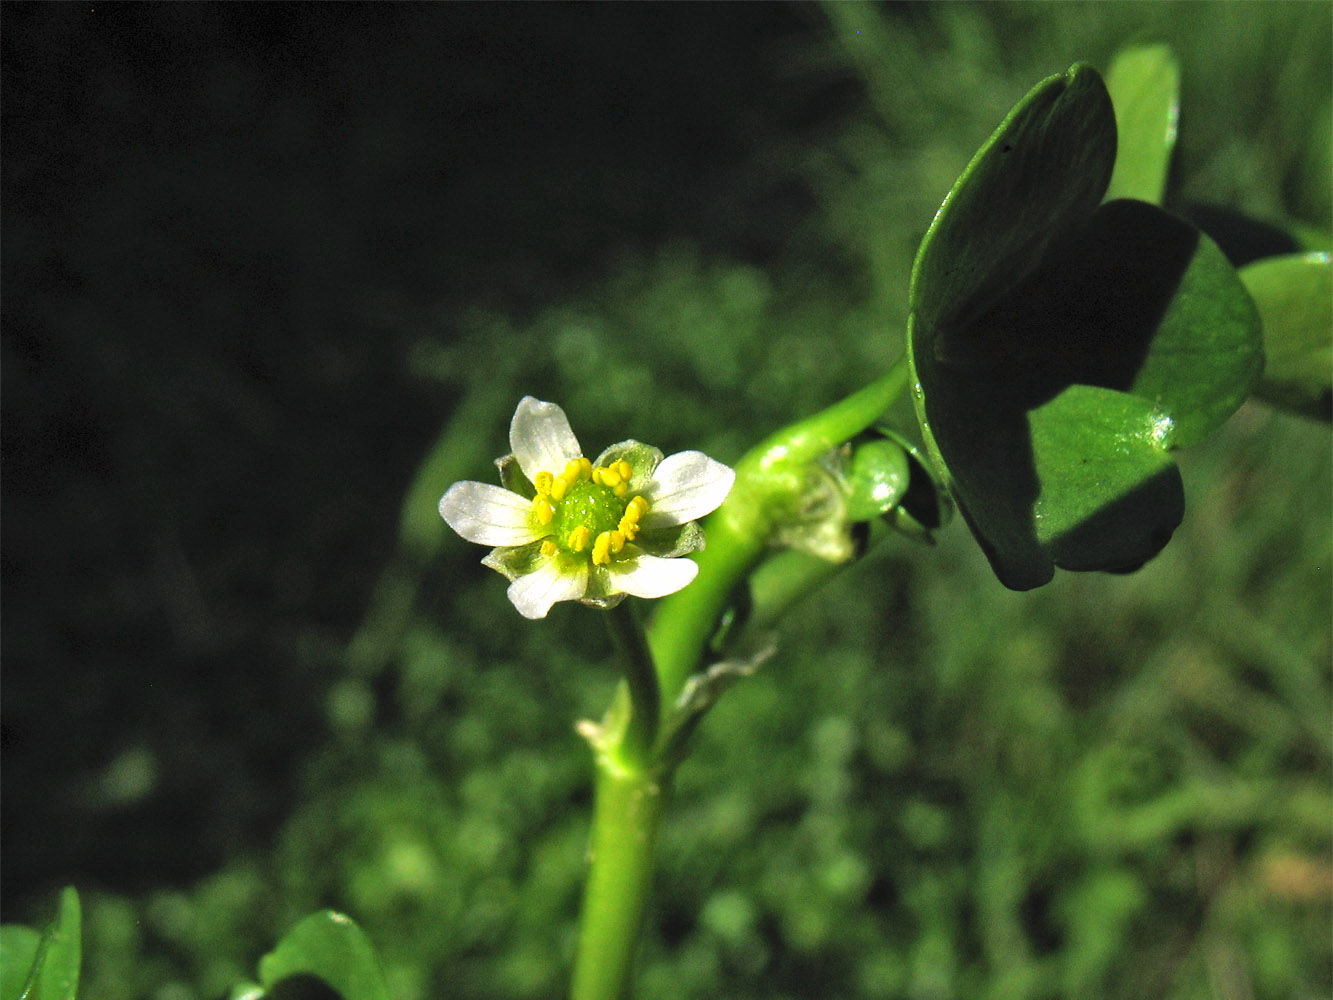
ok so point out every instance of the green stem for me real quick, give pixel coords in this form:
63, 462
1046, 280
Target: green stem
634, 717
626, 818
631, 783
768, 480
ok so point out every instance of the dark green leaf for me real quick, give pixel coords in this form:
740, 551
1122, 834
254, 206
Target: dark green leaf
1051, 410
53, 972
330, 950
1294, 295
1042, 171
1144, 83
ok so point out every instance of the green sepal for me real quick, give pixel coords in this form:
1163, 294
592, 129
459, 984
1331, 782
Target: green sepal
1294, 295
324, 949
642, 458
515, 561
512, 478
671, 543
45, 967
1144, 83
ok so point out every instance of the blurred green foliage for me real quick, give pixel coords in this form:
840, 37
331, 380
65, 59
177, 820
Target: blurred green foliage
1114, 786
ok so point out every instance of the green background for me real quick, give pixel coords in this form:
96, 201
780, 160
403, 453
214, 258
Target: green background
257, 258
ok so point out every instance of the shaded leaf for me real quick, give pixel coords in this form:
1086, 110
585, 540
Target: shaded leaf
1042, 171
324, 951
1052, 406
1294, 295
1144, 83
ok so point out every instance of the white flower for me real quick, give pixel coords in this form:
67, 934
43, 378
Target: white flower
567, 529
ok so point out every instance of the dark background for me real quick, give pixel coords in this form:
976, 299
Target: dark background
215, 216
275, 275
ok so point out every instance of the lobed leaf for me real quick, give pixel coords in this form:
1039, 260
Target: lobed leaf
1051, 396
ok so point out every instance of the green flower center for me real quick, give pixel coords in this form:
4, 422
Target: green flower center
587, 510
586, 506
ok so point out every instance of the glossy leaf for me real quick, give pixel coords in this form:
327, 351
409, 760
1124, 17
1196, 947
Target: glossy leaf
52, 971
1051, 408
1294, 295
324, 952
1144, 83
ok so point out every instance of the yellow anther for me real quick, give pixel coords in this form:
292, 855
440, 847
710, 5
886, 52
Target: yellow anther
636, 508
548, 548
597, 475
624, 469
558, 487
608, 476
601, 549
628, 527
620, 489
617, 540
585, 468
576, 469
579, 538
544, 509
543, 482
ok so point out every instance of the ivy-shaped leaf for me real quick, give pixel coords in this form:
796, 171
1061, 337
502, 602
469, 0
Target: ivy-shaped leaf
1294, 294
1144, 83
325, 955
1051, 387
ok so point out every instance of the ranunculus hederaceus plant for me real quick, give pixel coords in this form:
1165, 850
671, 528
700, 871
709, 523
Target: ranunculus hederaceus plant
1067, 336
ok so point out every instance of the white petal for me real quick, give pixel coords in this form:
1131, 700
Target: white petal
540, 438
686, 486
488, 515
534, 593
650, 576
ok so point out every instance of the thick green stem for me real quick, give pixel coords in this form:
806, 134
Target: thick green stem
768, 480
634, 717
626, 817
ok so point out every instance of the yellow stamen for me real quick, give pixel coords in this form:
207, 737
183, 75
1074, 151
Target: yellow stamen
617, 540
543, 482
558, 487
579, 538
601, 549
548, 547
608, 476
624, 469
585, 468
544, 509
620, 489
